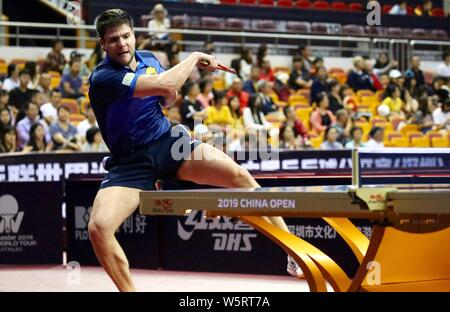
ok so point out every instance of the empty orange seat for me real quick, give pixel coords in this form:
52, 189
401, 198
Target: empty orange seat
71, 104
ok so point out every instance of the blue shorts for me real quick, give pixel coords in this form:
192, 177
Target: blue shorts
159, 160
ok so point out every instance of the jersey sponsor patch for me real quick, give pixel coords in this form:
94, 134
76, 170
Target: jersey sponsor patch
128, 79
151, 71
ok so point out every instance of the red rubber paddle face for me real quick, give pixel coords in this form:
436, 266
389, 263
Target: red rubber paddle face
220, 67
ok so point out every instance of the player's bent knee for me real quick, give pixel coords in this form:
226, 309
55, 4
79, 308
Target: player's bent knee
99, 230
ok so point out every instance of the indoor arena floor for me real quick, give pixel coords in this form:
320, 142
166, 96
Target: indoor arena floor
93, 279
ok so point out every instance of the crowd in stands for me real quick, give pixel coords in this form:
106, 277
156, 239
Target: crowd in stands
44, 105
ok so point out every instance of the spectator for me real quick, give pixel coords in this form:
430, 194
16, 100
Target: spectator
19, 97
376, 138
49, 110
320, 83
289, 141
316, 64
63, 133
55, 58
443, 69
8, 140
33, 69
96, 57
264, 91
44, 86
206, 92
236, 90
4, 98
299, 77
356, 134
71, 83
76, 56
297, 125
37, 141
5, 119
208, 47
441, 115
173, 114
358, 79
335, 96
24, 125
321, 117
305, 53
424, 9
190, 109
331, 143
343, 126
255, 121
266, 72
383, 64
250, 84
12, 79
86, 124
368, 68
219, 113
94, 141
415, 72
393, 100
262, 52
235, 111
159, 22
229, 77
399, 9
246, 63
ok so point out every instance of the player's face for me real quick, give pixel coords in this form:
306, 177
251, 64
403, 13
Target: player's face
119, 43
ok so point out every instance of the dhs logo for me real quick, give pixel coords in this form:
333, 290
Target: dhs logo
10, 216
228, 236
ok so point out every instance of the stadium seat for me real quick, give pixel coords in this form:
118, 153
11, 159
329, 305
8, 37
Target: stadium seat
395, 31
340, 6
303, 113
266, 2
353, 29
365, 126
410, 10
228, 2
319, 28
284, 69
266, 25
235, 23
85, 104
316, 142
145, 19
71, 104
410, 135
3, 69
439, 142
355, 7
285, 3
303, 4
247, 2
419, 32
374, 30
409, 128
389, 144
400, 142
438, 12
296, 100
302, 27
20, 62
439, 33
210, 22
179, 21
75, 119
420, 142
320, 5
305, 92
393, 134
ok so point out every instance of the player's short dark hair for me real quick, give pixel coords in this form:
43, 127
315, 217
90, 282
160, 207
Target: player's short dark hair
111, 18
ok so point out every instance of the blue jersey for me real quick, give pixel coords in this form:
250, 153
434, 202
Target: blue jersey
126, 122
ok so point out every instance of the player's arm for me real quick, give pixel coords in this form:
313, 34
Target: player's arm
168, 82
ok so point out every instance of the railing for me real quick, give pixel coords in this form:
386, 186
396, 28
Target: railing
230, 41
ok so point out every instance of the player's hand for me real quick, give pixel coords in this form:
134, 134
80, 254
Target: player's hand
206, 61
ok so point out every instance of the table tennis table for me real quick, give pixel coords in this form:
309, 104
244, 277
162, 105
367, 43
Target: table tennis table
409, 249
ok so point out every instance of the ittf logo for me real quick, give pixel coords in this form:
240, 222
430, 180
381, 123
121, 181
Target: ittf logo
10, 216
